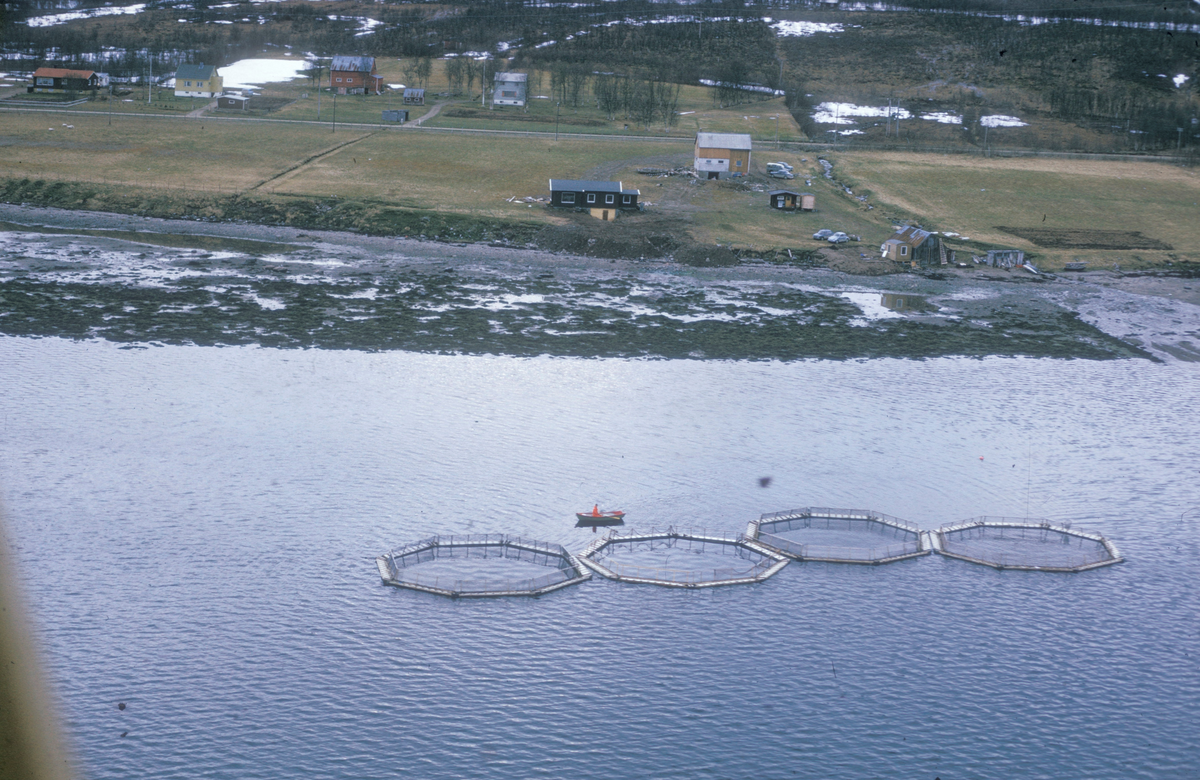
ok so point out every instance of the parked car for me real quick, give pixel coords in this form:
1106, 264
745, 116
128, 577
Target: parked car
823, 233
837, 238
780, 174
782, 165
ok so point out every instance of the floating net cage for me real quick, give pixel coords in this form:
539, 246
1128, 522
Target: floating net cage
839, 535
402, 567
1006, 543
747, 561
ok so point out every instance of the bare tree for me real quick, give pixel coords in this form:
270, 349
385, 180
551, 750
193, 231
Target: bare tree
667, 99
424, 70
454, 73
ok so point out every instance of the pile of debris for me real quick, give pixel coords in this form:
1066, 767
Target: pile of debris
686, 170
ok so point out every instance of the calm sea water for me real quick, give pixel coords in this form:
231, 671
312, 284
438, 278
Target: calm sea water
197, 525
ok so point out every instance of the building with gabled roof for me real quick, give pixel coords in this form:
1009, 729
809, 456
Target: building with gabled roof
355, 76
602, 198
509, 89
918, 247
722, 155
63, 80
197, 80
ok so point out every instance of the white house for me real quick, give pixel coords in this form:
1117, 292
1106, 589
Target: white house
509, 89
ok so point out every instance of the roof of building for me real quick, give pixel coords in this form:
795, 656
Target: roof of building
783, 192
723, 140
911, 236
631, 192
355, 64
414, 92
62, 73
197, 72
581, 185
507, 76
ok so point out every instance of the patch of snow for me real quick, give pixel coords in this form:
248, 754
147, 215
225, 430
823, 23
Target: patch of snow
942, 117
803, 29
89, 13
837, 113
746, 87
366, 25
247, 74
396, 86
1181, 79
999, 120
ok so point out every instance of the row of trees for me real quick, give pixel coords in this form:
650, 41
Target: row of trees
465, 70
642, 100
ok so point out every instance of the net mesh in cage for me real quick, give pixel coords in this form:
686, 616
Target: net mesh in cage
840, 535
479, 564
684, 558
1015, 544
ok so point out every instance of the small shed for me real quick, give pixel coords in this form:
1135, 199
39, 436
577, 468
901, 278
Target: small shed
808, 202
604, 199
783, 199
398, 115
236, 102
414, 97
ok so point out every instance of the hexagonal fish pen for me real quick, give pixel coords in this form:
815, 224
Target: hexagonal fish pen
838, 535
750, 562
401, 567
1032, 545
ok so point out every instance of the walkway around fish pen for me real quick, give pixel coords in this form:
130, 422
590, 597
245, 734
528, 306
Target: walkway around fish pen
914, 543
394, 566
950, 535
765, 562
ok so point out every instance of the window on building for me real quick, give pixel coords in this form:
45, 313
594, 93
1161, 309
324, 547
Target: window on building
568, 197
627, 199
591, 197
609, 198
42, 81
739, 163
339, 80
903, 251
187, 83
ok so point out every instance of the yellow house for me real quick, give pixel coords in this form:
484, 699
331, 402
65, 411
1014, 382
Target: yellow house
197, 81
722, 155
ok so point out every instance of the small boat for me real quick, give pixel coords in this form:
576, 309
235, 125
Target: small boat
596, 519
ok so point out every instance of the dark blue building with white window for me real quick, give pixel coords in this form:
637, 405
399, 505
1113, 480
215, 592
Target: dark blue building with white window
593, 195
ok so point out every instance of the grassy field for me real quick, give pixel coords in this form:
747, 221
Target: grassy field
975, 196
487, 177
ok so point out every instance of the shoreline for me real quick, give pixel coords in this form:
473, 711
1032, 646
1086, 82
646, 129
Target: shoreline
1143, 310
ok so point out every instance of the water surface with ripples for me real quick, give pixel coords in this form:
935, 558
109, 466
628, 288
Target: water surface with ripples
196, 527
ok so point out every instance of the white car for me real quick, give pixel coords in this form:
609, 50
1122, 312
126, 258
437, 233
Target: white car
837, 238
782, 165
778, 173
